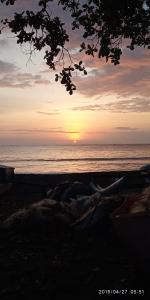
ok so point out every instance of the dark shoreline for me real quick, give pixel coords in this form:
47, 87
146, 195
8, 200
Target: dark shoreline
103, 177
29, 188
63, 264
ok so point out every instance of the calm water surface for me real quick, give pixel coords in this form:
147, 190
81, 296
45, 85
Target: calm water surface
74, 158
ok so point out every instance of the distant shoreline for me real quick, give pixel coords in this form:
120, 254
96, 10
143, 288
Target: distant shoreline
75, 145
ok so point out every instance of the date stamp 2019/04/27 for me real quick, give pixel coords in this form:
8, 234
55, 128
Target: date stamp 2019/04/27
119, 292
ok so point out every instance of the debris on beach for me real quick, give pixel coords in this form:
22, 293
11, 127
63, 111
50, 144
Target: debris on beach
46, 213
79, 205
142, 203
75, 204
66, 190
138, 202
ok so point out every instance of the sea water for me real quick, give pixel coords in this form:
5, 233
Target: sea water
74, 158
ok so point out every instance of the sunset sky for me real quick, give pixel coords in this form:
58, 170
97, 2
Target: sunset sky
111, 104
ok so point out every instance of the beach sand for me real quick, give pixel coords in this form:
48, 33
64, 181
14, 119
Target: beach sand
64, 264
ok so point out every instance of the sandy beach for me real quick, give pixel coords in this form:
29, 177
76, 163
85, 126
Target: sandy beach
64, 263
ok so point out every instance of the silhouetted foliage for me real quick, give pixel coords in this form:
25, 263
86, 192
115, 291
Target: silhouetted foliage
105, 24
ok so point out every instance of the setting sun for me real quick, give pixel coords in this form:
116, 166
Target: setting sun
75, 137
74, 126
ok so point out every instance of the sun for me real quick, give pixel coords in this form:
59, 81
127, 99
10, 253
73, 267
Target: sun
74, 137
74, 127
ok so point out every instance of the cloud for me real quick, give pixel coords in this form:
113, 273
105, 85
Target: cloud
126, 128
93, 107
129, 79
117, 80
54, 130
136, 104
6, 67
97, 132
42, 81
11, 78
140, 56
3, 43
48, 113
8, 82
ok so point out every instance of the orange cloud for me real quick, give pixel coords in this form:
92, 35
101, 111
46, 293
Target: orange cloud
10, 77
136, 104
119, 80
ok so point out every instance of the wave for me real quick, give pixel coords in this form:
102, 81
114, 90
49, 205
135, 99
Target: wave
77, 159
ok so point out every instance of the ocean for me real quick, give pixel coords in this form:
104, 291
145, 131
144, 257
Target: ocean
74, 158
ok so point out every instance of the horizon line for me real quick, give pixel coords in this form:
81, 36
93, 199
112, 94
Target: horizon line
72, 144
